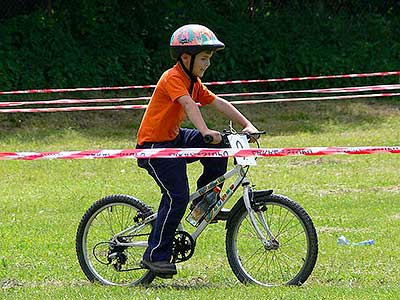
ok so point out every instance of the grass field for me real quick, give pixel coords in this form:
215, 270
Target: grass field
41, 203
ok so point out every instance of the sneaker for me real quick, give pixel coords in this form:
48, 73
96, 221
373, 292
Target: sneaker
163, 269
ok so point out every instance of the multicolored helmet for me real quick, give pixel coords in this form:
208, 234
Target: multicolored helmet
192, 39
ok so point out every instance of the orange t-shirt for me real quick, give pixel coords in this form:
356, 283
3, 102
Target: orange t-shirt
164, 115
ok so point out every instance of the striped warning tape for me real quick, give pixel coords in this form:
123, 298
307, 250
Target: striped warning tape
138, 106
249, 94
197, 153
227, 82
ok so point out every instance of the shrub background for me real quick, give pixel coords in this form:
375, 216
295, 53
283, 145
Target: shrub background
116, 42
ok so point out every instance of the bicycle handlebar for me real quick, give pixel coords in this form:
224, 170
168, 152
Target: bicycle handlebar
208, 138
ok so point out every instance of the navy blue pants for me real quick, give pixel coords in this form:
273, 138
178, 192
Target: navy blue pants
171, 176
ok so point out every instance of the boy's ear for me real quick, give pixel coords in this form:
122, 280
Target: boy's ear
186, 58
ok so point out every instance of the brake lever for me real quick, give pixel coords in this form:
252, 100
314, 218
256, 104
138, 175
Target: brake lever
254, 136
254, 133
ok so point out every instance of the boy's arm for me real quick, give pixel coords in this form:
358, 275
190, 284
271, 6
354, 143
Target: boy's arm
233, 114
194, 115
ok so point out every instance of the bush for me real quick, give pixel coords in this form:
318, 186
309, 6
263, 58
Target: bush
95, 43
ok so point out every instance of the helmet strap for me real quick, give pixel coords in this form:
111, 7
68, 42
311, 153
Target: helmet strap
189, 72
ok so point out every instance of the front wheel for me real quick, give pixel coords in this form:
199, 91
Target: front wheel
99, 231
292, 253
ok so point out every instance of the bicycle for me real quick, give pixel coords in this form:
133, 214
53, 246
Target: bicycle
270, 239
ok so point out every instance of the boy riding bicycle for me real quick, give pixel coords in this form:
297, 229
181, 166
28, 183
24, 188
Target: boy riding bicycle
175, 97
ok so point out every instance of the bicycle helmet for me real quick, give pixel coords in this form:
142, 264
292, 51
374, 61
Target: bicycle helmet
192, 39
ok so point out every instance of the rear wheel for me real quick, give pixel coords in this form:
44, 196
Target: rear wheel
99, 257
291, 255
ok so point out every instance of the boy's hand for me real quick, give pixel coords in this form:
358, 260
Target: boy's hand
251, 129
215, 135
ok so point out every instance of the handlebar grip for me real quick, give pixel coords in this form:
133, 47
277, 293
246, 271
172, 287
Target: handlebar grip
208, 139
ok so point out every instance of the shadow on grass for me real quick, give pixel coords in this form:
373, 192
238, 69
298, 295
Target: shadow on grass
195, 283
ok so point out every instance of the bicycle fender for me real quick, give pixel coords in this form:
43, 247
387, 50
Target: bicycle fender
257, 198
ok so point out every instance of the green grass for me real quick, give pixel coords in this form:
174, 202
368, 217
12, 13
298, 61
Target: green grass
41, 203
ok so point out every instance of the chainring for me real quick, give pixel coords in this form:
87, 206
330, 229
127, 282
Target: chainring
183, 246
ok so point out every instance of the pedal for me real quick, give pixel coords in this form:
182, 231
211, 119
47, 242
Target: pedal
143, 266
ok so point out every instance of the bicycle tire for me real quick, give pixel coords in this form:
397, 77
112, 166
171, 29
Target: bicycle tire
291, 263
100, 222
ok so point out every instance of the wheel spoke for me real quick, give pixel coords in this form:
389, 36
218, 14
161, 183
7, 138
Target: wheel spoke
101, 222
289, 259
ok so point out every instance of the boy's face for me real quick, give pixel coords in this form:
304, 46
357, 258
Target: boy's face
201, 63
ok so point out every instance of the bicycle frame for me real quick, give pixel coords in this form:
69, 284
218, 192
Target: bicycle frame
237, 170
241, 179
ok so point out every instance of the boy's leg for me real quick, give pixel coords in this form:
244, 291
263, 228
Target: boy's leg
212, 167
170, 175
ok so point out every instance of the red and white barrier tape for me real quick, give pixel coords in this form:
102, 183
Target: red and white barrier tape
122, 107
348, 97
117, 100
74, 108
321, 91
375, 74
73, 101
228, 82
196, 153
83, 89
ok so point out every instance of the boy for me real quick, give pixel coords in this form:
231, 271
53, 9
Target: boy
174, 98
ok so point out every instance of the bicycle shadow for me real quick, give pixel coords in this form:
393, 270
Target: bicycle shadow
190, 283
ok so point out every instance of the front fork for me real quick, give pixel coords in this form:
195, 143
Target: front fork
269, 242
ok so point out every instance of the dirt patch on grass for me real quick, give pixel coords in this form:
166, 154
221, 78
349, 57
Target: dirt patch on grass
11, 283
395, 217
337, 230
16, 283
345, 190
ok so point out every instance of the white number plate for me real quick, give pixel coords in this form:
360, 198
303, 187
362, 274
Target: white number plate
240, 142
